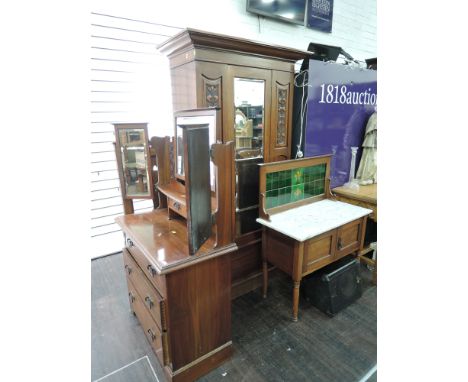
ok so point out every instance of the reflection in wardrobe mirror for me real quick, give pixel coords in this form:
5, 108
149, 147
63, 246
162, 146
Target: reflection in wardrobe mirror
132, 149
210, 116
249, 99
179, 164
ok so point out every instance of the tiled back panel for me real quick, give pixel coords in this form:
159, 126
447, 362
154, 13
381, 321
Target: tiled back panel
283, 187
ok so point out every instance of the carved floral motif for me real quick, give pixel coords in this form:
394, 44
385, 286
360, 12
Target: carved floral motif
212, 91
212, 94
281, 124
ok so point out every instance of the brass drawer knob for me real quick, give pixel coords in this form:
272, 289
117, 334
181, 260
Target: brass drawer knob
131, 297
176, 206
153, 336
152, 270
130, 242
149, 301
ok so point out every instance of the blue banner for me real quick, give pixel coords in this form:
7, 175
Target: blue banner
341, 100
320, 15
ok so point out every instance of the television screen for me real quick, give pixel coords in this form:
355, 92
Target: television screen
287, 10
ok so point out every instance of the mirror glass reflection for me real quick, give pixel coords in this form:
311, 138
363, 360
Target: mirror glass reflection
179, 150
194, 120
249, 98
249, 102
134, 161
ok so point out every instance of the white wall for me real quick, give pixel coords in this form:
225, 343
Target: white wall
129, 82
354, 22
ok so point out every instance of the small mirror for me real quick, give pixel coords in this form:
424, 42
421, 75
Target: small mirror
197, 181
212, 118
133, 159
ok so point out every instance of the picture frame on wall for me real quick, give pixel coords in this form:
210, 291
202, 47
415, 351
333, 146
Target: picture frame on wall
319, 15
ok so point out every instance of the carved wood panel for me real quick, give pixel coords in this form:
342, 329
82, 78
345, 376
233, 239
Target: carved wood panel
282, 110
212, 91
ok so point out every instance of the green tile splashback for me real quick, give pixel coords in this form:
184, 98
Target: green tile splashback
283, 187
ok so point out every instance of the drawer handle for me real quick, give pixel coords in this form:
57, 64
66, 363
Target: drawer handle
130, 242
340, 245
131, 297
153, 336
151, 269
176, 205
149, 301
128, 268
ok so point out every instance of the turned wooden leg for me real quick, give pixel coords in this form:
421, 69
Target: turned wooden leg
297, 284
374, 274
374, 258
265, 278
265, 262
297, 275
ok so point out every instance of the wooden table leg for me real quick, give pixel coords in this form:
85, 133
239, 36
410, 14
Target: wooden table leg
374, 274
297, 285
265, 262
297, 275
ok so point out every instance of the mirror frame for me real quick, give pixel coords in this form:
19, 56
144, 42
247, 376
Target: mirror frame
120, 166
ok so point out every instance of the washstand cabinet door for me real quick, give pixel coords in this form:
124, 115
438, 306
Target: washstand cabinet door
348, 237
319, 252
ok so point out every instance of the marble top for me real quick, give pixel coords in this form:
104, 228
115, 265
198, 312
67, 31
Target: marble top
305, 222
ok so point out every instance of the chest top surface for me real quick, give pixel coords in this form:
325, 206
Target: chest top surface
305, 222
164, 241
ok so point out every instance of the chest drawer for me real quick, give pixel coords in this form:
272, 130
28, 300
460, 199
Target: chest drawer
176, 206
158, 281
151, 298
152, 332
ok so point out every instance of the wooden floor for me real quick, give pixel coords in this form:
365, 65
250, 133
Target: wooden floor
268, 346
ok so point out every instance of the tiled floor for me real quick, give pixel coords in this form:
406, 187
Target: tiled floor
268, 346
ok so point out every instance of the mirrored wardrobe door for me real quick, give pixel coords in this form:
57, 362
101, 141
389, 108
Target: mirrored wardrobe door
250, 127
